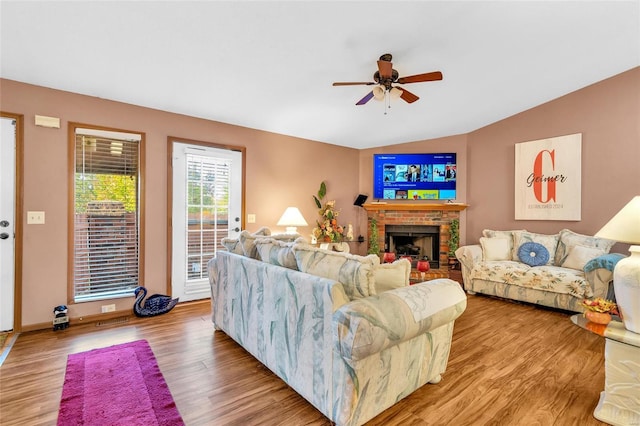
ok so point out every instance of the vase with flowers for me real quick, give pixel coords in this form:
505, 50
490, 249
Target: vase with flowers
599, 310
327, 228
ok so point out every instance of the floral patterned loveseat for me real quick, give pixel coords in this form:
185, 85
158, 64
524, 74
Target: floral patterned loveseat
317, 320
558, 271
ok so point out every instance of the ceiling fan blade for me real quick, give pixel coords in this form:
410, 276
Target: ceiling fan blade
430, 76
385, 68
408, 96
366, 99
353, 83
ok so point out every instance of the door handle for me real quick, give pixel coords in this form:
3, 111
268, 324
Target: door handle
4, 236
236, 229
4, 223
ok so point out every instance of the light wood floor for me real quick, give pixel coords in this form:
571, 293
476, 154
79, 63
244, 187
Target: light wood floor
510, 364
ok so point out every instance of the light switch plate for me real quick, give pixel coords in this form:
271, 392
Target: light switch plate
35, 218
251, 218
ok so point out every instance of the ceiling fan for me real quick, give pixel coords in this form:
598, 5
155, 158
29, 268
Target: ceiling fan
384, 79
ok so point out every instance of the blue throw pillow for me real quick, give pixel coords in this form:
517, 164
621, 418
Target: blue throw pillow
533, 254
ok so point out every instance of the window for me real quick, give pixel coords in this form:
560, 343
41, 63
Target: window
106, 193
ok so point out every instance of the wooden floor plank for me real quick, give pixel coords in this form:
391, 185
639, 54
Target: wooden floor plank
510, 364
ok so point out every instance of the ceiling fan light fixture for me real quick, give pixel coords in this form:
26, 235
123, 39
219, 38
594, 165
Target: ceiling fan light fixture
378, 92
395, 92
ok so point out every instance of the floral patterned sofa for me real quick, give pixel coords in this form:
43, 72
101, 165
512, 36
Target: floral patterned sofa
558, 271
319, 320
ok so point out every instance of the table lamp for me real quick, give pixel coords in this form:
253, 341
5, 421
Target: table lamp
292, 218
624, 227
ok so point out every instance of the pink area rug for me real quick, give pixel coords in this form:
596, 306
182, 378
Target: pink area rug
118, 385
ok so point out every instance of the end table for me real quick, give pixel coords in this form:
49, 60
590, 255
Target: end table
620, 401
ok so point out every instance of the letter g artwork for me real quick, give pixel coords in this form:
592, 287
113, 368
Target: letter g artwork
548, 179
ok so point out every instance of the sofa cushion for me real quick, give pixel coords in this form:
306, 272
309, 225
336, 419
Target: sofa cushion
550, 278
533, 254
248, 242
497, 248
570, 239
388, 276
356, 273
233, 244
509, 235
550, 242
580, 255
277, 252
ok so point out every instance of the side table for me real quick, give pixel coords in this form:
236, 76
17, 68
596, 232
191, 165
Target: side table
620, 401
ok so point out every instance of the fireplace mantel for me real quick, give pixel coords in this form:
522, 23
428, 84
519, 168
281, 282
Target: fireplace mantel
415, 207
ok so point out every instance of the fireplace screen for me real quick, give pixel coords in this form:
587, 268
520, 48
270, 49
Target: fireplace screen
420, 242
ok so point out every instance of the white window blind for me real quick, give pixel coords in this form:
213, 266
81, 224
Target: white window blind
207, 211
106, 216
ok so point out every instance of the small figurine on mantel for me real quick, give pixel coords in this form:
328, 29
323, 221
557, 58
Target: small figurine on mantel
350, 233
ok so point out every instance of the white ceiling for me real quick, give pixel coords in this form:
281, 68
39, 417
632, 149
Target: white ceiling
269, 65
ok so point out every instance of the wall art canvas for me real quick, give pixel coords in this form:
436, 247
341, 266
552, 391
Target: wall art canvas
548, 179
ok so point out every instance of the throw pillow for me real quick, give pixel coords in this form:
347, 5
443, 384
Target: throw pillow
580, 255
569, 239
354, 272
388, 276
495, 248
533, 254
509, 235
233, 244
277, 252
550, 242
248, 242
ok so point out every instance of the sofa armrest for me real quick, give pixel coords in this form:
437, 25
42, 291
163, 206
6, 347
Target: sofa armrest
599, 273
367, 326
468, 257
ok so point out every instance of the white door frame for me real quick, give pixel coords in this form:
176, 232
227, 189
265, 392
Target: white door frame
15, 228
176, 246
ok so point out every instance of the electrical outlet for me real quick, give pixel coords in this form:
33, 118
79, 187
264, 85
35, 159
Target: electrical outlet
108, 308
251, 218
35, 218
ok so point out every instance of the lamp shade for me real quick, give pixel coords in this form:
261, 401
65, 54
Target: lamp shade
378, 92
291, 218
624, 227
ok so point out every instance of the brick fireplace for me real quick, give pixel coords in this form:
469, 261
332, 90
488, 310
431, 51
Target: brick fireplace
415, 218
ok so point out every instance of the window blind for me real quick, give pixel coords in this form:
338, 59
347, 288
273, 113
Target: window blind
106, 217
207, 211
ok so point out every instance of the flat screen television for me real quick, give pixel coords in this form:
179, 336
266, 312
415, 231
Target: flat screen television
414, 176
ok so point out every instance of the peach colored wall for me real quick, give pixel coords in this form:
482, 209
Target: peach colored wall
281, 171
607, 114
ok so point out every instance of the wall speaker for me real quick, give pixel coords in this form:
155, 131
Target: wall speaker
360, 200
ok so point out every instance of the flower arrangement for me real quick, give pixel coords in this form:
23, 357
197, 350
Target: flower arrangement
327, 229
599, 310
601, 305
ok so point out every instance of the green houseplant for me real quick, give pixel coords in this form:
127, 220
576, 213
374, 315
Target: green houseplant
374, 248
454, 241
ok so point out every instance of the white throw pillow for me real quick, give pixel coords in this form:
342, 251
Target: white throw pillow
580, 255
388, 276
495, 248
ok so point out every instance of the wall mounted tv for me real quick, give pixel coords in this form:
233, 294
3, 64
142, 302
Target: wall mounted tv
414, 176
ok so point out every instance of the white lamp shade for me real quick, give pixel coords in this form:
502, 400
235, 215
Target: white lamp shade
624, 227
378, 92
395, 92
292, 218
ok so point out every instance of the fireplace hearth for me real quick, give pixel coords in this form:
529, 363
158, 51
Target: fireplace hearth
430, 218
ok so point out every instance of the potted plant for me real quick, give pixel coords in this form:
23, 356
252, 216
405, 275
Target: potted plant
374, 248
454, 241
